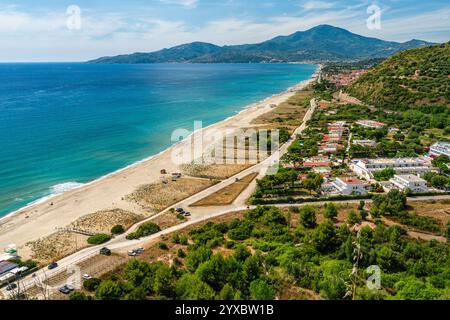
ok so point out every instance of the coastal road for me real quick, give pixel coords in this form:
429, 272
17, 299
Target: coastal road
120, 243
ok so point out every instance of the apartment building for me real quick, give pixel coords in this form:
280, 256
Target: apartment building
412, 182
366, 167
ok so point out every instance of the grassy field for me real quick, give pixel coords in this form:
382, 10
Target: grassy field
158, 196
226, 195
289, 114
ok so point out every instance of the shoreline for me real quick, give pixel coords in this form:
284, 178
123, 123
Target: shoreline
44, 207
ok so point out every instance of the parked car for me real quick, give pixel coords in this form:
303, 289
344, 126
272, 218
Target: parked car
187, 214
132, 253
11, 286
87, 276
64, 290
139, 250
179, 210
52, 266
105, 252
70, 287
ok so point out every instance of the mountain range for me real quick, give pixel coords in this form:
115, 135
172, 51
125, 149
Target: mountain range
323, 43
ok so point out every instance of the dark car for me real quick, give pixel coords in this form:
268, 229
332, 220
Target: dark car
179, 210
64, 290
105, 252
52, 266
11, 286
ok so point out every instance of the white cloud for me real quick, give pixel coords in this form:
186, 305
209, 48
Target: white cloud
45, 37
313, 5
190, 4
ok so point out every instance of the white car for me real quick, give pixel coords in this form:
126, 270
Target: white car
132, 254
86, 277
70, 287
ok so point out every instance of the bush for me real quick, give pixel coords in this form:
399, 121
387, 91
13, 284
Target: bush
181, 254
79, 296
144, 230
99, 239
330, 211
91, 284
117, 229
308, 217
163, 246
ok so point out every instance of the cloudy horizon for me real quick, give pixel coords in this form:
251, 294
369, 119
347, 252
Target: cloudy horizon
31, 32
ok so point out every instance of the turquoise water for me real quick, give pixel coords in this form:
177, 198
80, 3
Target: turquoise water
62, 125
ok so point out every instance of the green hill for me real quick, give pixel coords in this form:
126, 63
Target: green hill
411, 78
318, 44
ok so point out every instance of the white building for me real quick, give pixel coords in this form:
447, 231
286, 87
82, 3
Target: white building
366, 167
439, 149
371, 124
412, 182
365, 143
350, 186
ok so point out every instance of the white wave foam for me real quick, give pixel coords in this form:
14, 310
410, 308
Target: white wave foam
65, 187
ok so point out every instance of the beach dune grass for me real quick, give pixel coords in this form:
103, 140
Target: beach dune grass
213, 171
228, 194
159, 196
289, 114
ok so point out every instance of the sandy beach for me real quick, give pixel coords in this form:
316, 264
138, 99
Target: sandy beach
110, 192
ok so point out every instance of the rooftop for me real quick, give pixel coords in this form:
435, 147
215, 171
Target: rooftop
409, 178
352, 180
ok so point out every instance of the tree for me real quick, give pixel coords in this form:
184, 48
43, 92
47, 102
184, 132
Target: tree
137, 294
213, 272
415, 289
163, 281
387, 259
324, 237
439, 182
384, 175
251, 268
117, 229
332, 284
190, 287
227, 293
241, 253
330, 211
91, 284
353, 218
79, 296
109, 290
261, 290
308, 217
196, 257
136, 271
313, 182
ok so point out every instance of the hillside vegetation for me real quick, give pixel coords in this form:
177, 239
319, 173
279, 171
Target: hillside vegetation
321, 43
412, 78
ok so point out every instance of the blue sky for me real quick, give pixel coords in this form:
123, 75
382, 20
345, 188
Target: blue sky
33, 30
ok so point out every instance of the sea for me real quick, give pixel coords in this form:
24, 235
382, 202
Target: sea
63, 125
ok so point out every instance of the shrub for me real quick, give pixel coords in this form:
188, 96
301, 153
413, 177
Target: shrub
99, 239
144, 230
308, 217
163, 246
181, 253
330, 211
91, 284
117, 229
